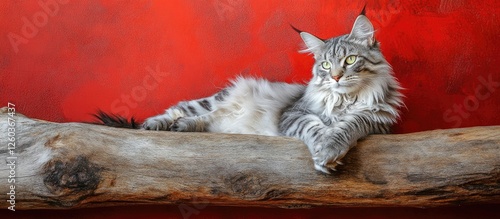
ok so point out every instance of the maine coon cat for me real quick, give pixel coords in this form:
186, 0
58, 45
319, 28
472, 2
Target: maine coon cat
352, 94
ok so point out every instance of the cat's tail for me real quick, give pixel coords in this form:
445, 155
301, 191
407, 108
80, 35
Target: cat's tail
116, 121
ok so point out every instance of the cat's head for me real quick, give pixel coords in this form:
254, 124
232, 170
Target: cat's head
348, 63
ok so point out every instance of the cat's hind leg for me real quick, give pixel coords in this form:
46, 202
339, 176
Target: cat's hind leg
191, 124
162, 122
186, 114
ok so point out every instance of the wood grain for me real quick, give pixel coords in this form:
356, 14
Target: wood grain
74, 165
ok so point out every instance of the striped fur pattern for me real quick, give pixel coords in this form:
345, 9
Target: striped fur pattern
248, 106
352, 94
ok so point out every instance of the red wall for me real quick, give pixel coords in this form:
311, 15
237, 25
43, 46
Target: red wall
60, 62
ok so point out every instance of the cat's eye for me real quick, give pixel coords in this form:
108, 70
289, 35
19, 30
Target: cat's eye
326, 65
350, 60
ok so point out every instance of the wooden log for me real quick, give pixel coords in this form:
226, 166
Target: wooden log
74, 165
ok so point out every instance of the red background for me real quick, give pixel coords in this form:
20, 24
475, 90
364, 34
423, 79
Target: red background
61, 63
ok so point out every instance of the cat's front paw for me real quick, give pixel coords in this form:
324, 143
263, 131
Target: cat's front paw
158, 123
326, 157
180, 125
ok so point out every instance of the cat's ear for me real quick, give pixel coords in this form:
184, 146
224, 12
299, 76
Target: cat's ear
314, 44
362, 30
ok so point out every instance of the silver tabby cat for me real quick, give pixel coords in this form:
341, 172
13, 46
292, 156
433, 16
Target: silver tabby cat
352, 94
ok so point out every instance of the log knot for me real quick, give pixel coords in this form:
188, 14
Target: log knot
251, 185
72, 178
245, 185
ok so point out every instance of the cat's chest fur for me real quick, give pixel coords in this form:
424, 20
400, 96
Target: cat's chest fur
345, 106
332, 108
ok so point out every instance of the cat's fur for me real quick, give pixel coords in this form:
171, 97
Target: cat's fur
341, 104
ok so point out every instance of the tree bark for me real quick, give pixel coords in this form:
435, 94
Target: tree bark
74, 165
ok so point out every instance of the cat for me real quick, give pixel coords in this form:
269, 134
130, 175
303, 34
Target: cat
352, 94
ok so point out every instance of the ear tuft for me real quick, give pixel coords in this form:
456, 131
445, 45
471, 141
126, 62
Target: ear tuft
363, 12
296, 29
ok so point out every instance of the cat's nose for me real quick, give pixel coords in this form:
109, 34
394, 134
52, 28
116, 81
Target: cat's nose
337, 77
